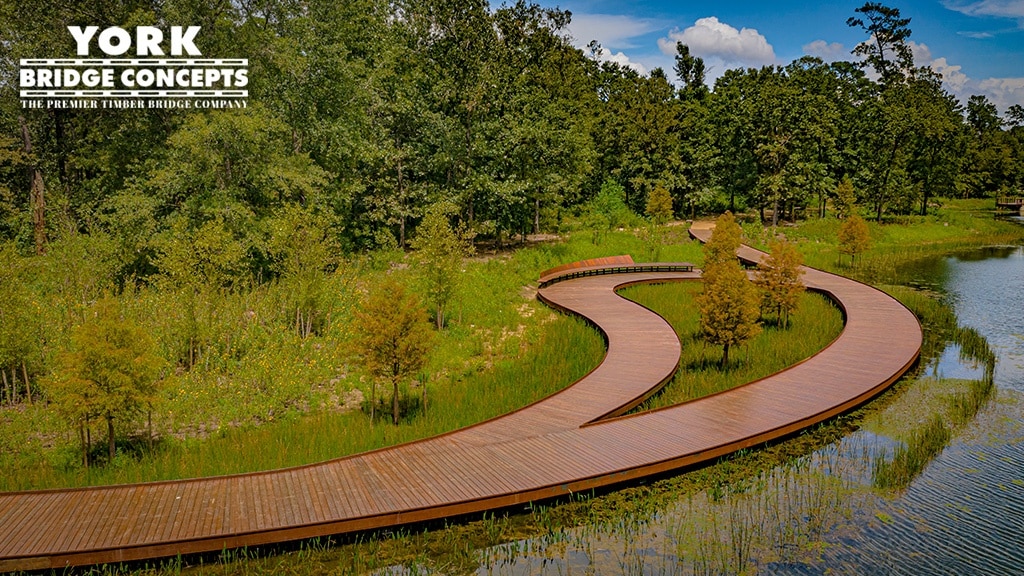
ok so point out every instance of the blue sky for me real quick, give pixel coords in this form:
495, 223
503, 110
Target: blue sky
978, 45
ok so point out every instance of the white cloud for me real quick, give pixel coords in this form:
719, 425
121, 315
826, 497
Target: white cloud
997, 8
606, 55
1003, 92
952, 77
608, 29
977, 35
827, 51
922, 53
710, 38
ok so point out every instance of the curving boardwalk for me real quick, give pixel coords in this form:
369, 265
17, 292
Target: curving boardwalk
568, 442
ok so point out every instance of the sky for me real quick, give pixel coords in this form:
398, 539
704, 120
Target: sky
977, 45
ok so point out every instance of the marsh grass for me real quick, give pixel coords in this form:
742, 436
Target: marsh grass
566, 350
911, 457
816, 323
955, 402
246, 390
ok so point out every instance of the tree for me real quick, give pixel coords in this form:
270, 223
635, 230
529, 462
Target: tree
111, 371
440, 250
778, 276
854, 237
729, 303
20, 326
846, 196
689, 70
886, 49
724, 241
393, 337
659, 205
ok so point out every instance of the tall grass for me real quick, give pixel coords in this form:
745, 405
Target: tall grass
921, 444
568, 348
910, 458
814, 325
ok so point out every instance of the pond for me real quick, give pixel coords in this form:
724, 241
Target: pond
822, 510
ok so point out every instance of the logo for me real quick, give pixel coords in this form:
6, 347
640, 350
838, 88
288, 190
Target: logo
137, 73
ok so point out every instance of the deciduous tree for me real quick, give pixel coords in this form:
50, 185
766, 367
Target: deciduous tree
729, 303
778, 276
393, 336
854, 237
440, 249
111, 370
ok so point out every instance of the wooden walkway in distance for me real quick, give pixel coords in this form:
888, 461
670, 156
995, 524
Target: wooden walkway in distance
1010, 203
569, 442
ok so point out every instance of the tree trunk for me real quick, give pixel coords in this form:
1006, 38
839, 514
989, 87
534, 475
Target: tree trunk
536, 216
394, 403
110, 439
9, 389
37, 195
85, 445
401, 198
725, 355
373, 400
28, 390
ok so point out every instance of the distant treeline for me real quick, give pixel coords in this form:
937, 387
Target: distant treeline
363, 113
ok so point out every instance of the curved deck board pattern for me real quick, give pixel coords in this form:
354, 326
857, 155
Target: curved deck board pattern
568, 442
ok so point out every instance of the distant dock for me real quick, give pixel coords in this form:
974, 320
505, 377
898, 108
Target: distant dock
1015, 203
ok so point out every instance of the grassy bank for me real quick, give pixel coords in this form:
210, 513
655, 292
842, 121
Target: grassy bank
815, 324
957, 225
242, 377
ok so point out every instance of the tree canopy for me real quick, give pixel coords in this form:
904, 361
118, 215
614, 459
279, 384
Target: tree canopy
367, 113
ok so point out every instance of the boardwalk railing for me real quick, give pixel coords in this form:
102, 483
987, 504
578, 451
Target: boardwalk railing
1010, 202
550, 278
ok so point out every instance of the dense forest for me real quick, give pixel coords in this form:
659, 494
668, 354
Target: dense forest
366, 116
363, 113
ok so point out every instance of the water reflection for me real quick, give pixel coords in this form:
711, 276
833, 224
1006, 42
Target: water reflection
964, 513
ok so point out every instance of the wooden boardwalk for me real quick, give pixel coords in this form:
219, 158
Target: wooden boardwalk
568, 442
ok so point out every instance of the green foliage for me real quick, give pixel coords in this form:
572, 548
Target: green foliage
854, 237
729, 305
392, 336
609, 206
302, 248
207, 258
110, 372
846, 196
440, 250
20, 328
778, 277
659, 205
233, 165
